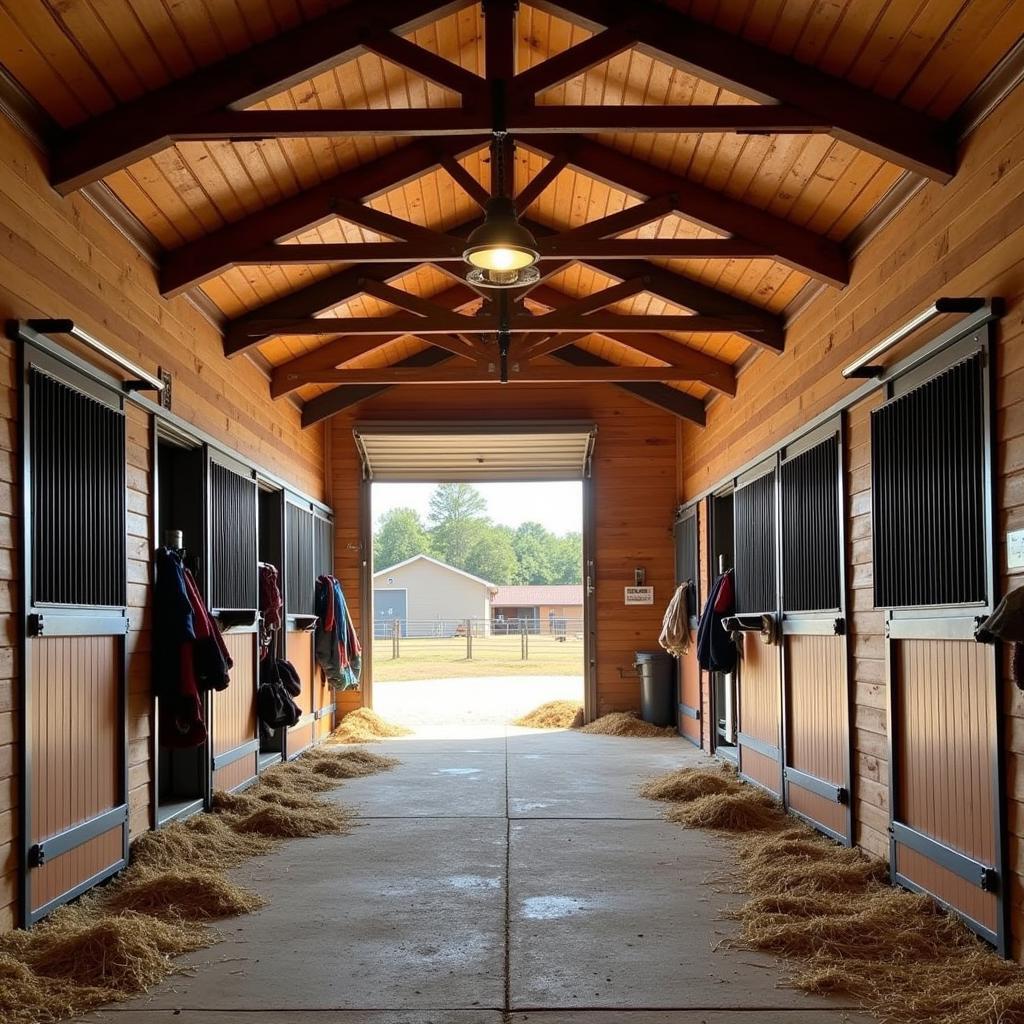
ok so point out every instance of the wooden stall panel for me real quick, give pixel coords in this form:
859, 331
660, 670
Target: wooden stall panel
818, 723
234, 713
944, 690
74, 734
689, 694
759, 712
299, 648
324, 695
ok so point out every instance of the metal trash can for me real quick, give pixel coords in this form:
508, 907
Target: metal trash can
657, 671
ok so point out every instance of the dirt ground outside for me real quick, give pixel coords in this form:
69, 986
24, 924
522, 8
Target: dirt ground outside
476, 702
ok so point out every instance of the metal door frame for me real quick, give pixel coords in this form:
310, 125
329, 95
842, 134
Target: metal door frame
590, 571
50, 620
691, 511
727, 490
823, 622
770, 464
955, 623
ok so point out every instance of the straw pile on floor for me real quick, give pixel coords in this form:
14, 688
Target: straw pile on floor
626, 723
829, 911
365, 726
554, 714
121, 939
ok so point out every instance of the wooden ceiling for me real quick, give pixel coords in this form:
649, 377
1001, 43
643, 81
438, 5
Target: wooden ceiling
775, 127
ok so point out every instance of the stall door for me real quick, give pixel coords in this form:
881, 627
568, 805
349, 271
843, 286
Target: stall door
689, 720
234, 603
815, 692
931, 498
323, 564
299, 593
74, 811
754, 537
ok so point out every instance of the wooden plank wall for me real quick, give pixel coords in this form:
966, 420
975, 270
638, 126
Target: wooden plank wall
634, 479
966, 238
62, 257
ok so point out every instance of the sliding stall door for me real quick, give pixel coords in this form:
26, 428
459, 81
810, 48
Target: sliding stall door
687, 563
74, 724
234, 602
755, 537
933, 574
300, 582
815, 691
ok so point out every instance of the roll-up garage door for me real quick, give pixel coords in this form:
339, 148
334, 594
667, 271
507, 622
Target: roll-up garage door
74, 766
933, 574
755, 537
440, 452
816, 733
234, 601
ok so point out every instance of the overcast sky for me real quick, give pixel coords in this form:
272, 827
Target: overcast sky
556, 506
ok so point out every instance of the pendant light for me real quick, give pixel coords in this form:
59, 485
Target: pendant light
501, 251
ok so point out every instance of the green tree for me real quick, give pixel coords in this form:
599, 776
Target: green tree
534, 547
492, 556
400, 535
457, 522
567, 558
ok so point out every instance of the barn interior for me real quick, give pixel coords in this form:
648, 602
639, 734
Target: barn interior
749, 270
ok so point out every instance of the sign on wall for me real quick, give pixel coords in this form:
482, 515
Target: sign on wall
639, 595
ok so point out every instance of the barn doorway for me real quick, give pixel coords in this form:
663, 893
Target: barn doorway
478, 578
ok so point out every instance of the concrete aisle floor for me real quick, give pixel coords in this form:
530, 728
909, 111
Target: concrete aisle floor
510, 877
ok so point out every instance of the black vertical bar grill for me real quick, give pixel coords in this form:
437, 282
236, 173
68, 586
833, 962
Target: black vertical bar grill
233, 539
754, 516
300, 575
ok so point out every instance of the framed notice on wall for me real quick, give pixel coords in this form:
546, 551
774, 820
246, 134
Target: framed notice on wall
639, 595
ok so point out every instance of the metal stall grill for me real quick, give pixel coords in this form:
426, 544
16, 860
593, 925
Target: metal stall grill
74, 724
300, 572
933, 573
755, 537
688, 569
816, 705
234, 600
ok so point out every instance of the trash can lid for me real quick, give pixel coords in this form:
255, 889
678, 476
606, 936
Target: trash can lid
651, 655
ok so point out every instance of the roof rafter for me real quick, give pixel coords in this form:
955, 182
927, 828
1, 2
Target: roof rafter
141, 127
869, 122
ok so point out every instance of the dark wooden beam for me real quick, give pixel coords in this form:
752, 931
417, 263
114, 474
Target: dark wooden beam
427, 65
564, 66
356, 212
544, 177
603, 298
464, 179
470, 372
293, 374
629, 219
340, 398
637, 119
661, 396
141, 127
198, 260
443, 322
802, 249
869, 122
559, 247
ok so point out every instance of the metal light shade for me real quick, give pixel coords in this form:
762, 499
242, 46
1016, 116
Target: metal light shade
501, 244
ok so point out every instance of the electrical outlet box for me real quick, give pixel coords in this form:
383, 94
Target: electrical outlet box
1015, 549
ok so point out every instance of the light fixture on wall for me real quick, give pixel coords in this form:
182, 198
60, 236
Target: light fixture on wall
501, 251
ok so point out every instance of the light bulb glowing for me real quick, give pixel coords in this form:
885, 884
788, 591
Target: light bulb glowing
500, 258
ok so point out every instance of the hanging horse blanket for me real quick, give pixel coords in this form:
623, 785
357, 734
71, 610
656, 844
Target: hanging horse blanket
338, 651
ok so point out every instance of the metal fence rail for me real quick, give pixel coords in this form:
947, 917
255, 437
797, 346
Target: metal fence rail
554, 640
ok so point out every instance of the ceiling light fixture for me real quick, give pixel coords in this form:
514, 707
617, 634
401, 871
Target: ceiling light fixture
501, 251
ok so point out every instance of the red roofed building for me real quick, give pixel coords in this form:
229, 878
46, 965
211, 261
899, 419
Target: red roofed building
555, 608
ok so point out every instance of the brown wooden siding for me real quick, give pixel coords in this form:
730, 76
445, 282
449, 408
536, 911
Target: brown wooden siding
944, 704
75, 745
234, 712
759, 708
689, 692
962, 239
817, 723
299, 645
62, 257
635, 497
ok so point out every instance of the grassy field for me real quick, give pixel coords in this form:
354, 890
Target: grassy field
445, 657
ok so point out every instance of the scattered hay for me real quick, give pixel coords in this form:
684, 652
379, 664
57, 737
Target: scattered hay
348, 764
685, 784
203, 839
555, 714
740, 811
296, 779
365, 726
198, 894
297, 823
626, 723
120, 954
